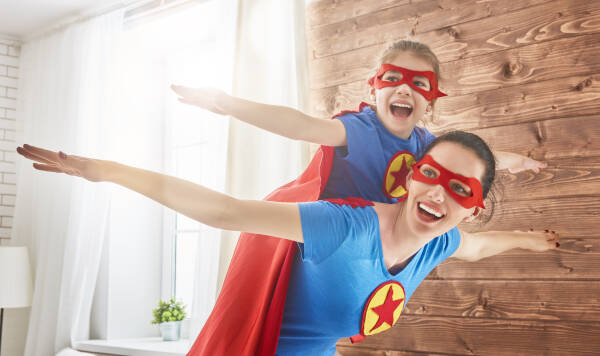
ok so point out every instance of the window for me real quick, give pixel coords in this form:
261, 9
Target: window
187, 48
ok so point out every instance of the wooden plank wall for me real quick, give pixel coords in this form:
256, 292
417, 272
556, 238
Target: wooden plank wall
525, 75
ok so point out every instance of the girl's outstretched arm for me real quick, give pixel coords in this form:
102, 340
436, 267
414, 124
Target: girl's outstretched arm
516, 163
193, 200
280, 120
475, 246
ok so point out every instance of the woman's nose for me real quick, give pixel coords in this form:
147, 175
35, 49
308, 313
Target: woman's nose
436, 193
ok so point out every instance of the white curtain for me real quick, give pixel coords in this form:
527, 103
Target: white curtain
64, 103
270, 66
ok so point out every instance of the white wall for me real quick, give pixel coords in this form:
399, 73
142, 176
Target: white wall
9, 72
15, 320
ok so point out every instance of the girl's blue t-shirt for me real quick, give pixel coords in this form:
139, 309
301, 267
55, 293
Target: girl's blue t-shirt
374, 163
340, 264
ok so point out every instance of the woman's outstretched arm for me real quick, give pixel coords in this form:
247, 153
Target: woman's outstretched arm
475, 246
195, 201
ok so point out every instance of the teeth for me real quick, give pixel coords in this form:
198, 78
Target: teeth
430, 211
402, 106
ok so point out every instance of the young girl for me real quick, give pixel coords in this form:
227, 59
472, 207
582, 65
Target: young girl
358, 266
374, 151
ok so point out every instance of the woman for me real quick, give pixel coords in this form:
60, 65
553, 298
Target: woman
360, 264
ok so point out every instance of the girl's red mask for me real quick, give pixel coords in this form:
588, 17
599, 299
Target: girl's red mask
407, 78
445, 177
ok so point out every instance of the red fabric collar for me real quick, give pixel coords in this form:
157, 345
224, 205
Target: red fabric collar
354, 202
407, 78
445, 177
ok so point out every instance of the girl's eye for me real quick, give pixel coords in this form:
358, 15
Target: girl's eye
421, 83
392, 78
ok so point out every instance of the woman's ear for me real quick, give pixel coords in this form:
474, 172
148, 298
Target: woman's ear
475, 214
409, 179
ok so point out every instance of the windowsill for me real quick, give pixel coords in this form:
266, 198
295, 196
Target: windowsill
153, 346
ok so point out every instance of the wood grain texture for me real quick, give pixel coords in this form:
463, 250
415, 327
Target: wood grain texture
358, 350
532, 300
560, 138
550, 99
456, 38
548, 60
575, 259
564, 177
470, 336
581, 221
324, 12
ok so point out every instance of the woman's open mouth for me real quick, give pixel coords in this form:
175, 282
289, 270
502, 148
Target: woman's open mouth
428, 213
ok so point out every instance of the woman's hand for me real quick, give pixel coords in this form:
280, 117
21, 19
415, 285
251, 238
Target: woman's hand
91, 169
541, 241
478, 245
207, 98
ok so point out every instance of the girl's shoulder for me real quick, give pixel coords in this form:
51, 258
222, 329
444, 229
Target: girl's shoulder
361, 107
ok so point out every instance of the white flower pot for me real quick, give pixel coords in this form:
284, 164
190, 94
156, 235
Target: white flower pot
170, 331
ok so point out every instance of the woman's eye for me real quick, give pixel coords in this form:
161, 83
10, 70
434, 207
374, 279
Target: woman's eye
460, 189
429, 173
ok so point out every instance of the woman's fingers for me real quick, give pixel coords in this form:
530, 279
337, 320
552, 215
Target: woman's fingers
40, 152
28, 154
48, 168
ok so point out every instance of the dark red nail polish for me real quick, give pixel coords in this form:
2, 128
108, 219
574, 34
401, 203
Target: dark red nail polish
62, 155
557, 244
546, 231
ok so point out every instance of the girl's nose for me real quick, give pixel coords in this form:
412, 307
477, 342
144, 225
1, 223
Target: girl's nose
403, 89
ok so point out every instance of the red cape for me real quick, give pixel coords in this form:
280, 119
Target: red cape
247, 315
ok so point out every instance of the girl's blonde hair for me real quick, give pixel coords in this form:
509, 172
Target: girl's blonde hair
417, 48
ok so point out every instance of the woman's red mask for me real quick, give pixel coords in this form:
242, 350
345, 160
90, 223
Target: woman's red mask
448, 180
407, 76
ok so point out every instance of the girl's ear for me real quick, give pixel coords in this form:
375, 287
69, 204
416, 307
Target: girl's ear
475, 214
372, 95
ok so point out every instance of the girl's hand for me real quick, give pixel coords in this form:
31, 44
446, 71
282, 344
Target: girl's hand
525, 163
542, 240
206, 98
516, 163
91, 169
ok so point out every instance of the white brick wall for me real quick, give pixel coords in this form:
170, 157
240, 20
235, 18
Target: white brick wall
9, 73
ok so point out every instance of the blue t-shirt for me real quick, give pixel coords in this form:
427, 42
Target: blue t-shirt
374, 162
339, 266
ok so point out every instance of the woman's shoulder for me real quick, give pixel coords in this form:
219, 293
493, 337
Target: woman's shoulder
387, 213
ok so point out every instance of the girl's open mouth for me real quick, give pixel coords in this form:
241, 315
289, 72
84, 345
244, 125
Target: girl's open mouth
401, 111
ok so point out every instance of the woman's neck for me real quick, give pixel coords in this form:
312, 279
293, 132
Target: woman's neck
398, 242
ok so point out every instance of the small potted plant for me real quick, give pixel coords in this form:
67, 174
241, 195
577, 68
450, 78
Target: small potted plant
169, 315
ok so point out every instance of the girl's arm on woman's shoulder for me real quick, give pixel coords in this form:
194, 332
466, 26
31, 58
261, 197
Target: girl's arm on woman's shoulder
475, 246
195, 201
280, 120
